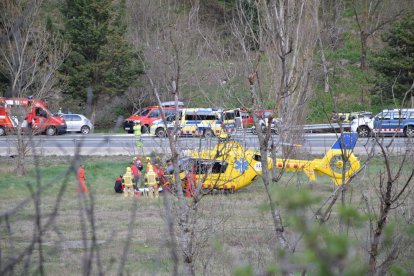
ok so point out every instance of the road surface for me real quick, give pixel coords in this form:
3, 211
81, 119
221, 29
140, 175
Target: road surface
124, 144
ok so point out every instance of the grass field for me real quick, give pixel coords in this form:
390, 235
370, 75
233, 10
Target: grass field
234, 233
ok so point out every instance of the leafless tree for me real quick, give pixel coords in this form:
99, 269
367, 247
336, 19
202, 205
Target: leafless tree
394, 185
286, 39
30, 57
167, 52
372, 16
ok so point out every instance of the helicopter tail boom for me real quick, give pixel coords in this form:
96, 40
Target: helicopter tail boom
339, 163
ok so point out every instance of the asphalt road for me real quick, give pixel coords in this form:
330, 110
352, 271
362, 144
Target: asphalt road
124, 144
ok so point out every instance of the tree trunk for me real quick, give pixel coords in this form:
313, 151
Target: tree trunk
363, 60
21, 153
382, 221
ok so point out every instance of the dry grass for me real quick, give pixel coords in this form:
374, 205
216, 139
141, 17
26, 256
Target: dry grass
231, 231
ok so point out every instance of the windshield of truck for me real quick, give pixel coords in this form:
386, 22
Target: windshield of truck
229, 115
143, 112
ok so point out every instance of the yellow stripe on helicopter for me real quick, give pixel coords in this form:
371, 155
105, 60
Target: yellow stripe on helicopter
229, 166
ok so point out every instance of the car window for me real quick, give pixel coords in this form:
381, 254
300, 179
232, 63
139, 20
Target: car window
67, 117
384, 116
229, 115
245, 115
170, 118
169, 112
267, 114
40, 112
411, 115
143, 112
76, 118
154, 114
398, 115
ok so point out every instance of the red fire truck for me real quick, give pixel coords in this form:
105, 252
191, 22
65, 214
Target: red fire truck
31, 114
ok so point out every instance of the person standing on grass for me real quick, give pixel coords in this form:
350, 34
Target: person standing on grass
136, 174
81, 179
151, 180
128, 177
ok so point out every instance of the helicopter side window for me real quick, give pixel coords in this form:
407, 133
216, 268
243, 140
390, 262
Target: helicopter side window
219, 167
257, 157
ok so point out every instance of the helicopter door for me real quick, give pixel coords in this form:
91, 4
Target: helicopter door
216, 172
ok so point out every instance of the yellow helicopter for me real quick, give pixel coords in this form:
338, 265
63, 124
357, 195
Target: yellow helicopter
230, 167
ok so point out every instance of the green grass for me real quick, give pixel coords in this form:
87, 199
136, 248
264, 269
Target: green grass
234, 233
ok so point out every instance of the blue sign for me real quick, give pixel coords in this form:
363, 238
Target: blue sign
242, 165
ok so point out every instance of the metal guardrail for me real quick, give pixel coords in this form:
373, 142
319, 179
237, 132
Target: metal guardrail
125, 144
314, 127
333, 126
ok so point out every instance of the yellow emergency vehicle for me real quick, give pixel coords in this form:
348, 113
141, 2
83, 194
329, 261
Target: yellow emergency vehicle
206, 122
230, 167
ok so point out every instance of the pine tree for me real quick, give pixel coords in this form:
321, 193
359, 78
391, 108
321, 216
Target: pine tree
395, 63
101, 60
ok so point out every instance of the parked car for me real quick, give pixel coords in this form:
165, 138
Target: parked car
388, 121
78, 123
264, 124
146, 117
348, 117
243, 119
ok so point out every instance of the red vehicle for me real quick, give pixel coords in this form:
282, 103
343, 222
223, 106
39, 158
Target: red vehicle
146, 117
31, 114
246, 120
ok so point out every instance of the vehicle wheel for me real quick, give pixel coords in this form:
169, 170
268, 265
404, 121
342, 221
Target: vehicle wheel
2, 131
160, 132
145, 129
254, 131
409, 132
50, 131
85, 130
363, 131
208, 133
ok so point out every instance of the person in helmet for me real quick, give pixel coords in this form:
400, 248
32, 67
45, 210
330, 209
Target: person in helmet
151, 180
128, 183
138, 163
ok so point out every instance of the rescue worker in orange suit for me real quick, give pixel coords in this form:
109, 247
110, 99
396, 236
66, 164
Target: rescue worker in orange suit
136, 173
81, 179
129, 185
190, 182
151, 180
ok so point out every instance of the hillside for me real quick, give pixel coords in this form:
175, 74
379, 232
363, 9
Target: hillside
206, 50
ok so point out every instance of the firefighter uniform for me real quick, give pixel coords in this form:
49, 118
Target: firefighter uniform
128, 177
151, 181
137, 133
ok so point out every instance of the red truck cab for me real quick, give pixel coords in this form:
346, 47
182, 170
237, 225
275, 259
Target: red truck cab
147, 116
31, 114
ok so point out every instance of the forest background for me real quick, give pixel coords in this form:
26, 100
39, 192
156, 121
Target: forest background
96, 55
